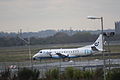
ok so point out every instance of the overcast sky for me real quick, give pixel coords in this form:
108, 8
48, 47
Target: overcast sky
36, 15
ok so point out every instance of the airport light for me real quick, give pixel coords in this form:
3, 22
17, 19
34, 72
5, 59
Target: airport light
101, 20
29, 48
93, 17
108, 35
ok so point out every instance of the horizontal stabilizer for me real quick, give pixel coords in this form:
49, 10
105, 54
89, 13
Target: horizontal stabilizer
94, 48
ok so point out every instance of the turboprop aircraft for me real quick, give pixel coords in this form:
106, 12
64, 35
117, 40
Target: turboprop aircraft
97, 46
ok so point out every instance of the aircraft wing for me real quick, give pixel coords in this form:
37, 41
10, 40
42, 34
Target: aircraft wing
62, 54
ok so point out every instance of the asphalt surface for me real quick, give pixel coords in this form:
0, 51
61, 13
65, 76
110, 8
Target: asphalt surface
43, 67
78, 64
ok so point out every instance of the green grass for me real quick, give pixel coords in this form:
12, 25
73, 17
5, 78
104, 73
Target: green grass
20, 54
115, 48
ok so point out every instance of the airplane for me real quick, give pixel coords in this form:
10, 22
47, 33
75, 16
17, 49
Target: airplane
97, 46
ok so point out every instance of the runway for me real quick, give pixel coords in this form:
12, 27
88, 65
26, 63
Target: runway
79, 64
82, 65
60, 64
45, 66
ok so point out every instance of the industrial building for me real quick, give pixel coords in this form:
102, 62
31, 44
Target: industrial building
117, 27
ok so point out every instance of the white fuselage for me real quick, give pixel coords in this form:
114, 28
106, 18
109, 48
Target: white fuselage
62, 53
71, 53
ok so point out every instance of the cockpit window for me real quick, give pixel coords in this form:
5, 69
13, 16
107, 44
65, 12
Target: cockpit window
40, 51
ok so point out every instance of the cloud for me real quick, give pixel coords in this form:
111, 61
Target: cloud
56, 12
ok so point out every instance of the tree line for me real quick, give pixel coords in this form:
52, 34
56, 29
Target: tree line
58, 38
69, 73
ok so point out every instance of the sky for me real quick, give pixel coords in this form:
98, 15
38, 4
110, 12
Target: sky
37, 15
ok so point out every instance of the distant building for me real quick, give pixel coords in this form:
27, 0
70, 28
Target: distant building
117, 27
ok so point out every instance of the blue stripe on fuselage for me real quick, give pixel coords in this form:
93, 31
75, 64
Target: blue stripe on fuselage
57, 57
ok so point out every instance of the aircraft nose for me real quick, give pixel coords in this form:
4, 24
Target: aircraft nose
35, 56
40, 56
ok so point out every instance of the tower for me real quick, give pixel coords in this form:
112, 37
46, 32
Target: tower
117, 27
